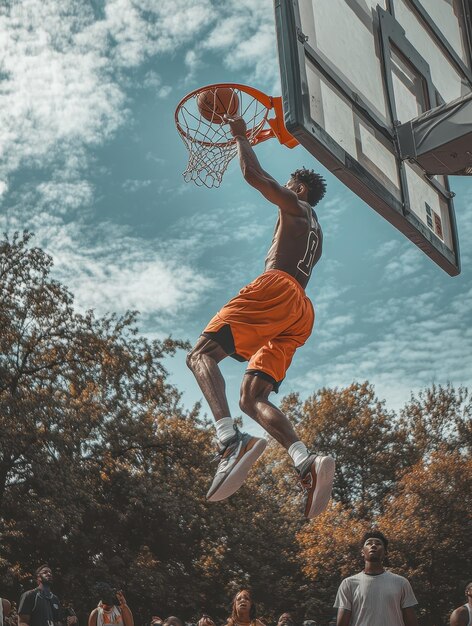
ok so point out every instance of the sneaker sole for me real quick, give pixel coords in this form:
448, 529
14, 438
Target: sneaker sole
323, 488
233, 481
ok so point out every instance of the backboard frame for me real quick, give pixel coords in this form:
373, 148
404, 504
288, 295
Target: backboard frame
294, 52
466, 6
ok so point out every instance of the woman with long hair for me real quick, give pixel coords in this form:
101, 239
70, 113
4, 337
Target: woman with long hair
243, 611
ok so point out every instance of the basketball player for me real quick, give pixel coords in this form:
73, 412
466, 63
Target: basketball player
264, 324
463, 615
375, 596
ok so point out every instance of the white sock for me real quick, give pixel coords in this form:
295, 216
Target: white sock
225, 429
298, 452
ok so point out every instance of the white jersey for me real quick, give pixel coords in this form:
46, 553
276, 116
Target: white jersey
375, 600
111, 617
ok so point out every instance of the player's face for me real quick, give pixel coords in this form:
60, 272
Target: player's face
295, 186
373, 549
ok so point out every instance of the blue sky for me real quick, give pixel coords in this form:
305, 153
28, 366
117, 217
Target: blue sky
90, 160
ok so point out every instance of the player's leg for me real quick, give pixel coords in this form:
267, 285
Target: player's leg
266, 368
254, 401
203, 360
237, 451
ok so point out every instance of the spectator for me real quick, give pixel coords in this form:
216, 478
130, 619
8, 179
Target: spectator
375, 596
285, 619
112, 609
243, 610
463, 615
40, 607
12, 619
5, 608
173, 621
205, 620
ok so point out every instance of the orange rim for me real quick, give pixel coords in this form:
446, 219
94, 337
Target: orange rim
257, 133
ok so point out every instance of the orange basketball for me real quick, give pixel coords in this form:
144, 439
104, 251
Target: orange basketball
214, 103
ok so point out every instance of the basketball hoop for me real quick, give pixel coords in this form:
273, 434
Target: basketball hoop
210, 144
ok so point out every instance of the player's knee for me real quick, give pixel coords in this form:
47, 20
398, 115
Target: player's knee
247, 399
193, 357
246, 403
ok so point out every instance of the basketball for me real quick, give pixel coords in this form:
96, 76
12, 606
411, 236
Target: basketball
214, 103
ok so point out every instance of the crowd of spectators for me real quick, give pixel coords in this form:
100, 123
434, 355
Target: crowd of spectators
373, 597
41, 607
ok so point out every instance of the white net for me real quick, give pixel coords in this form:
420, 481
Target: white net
210, 144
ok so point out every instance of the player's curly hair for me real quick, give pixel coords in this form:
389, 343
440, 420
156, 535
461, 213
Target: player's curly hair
316, 184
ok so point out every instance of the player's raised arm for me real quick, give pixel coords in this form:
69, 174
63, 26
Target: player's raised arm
286, 199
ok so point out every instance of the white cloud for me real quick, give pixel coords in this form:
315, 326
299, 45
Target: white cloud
132, 184
403, 264
108, 269
61, 90
386, 249
423, 340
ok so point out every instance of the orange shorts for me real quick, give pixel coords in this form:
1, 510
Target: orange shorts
264, 324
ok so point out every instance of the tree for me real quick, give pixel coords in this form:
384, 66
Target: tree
77, 394
352, 425
427, 520
439, 418
329, 550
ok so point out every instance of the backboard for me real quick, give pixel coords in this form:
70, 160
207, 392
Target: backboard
352, 71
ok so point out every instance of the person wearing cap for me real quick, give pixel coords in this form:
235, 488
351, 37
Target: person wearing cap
375, 595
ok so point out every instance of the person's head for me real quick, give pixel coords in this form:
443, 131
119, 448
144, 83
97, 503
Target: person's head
106, 595
172, 620
468, 592
374, 546
308, 185
44, 575
205, 620
285, 619
243, 606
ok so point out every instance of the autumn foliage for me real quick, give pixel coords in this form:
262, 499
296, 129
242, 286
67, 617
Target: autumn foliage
103, 474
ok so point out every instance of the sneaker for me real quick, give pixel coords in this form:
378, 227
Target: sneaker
316, 475
236, 459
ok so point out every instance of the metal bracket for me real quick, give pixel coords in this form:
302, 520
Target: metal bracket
302, 38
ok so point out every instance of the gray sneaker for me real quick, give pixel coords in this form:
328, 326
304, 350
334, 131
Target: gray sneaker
236, 459
316, 475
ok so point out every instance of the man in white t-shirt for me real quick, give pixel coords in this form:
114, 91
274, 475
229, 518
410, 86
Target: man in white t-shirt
375, 597
463, 615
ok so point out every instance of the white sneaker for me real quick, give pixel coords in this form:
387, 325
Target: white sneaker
237, 456
316, 476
